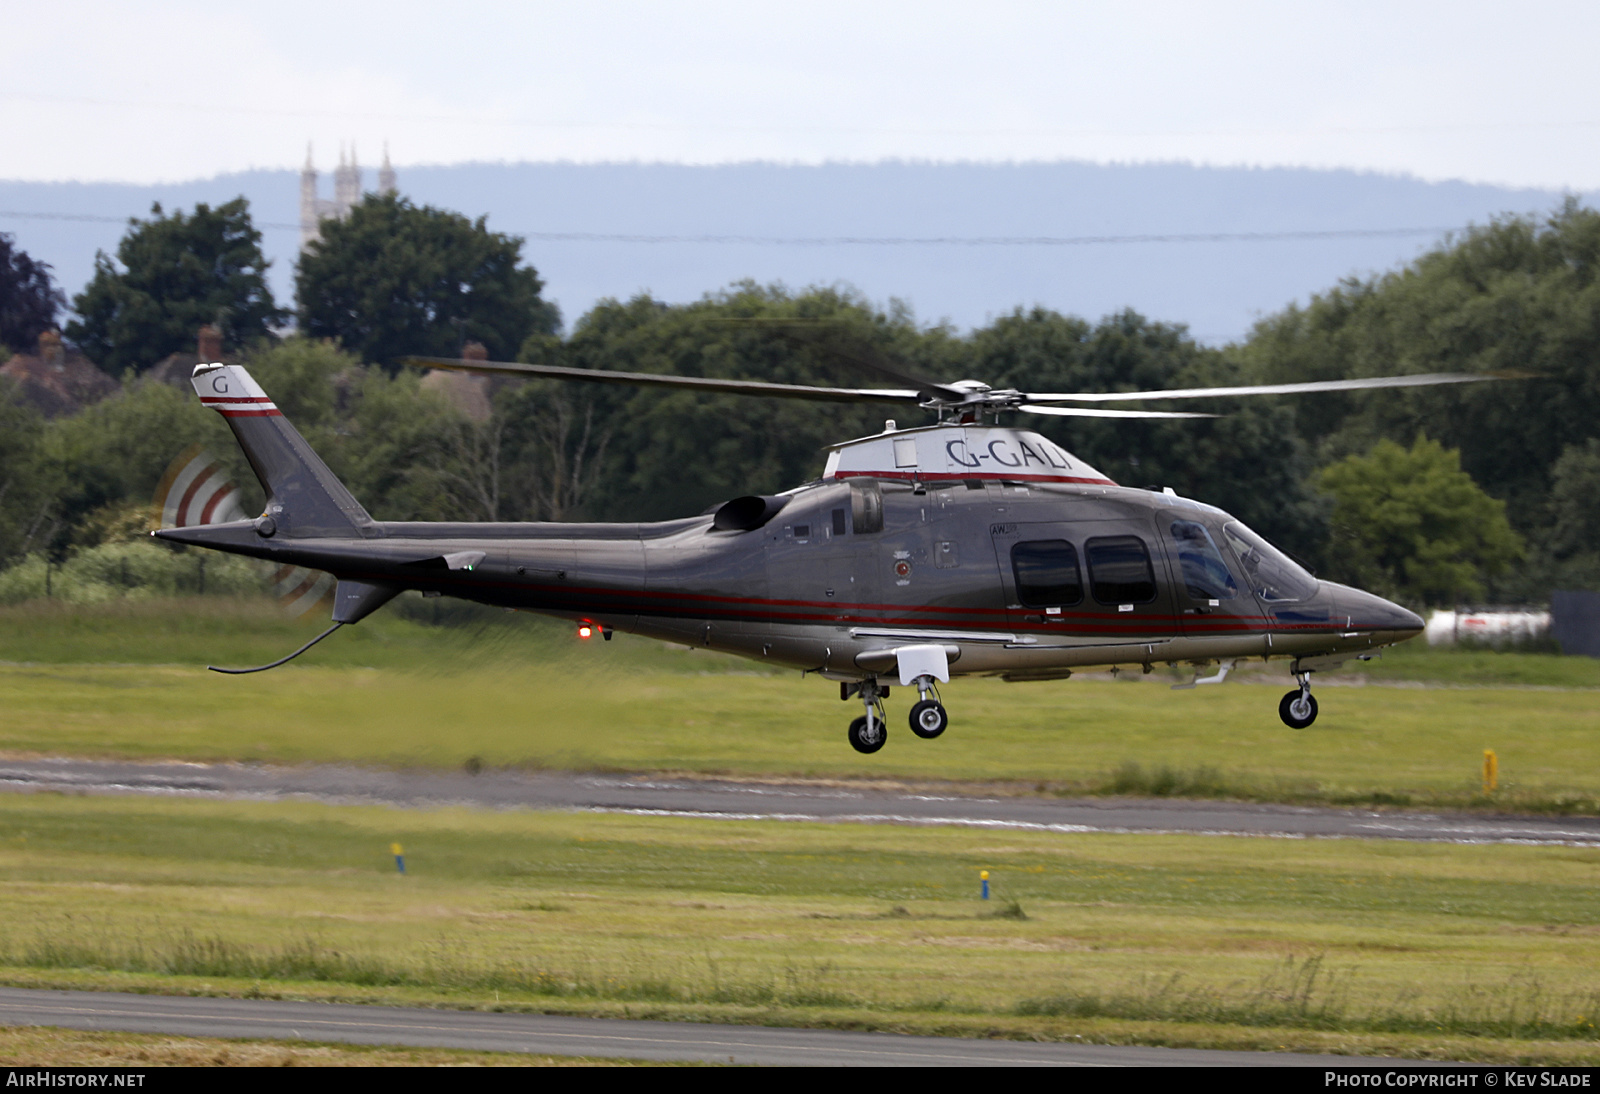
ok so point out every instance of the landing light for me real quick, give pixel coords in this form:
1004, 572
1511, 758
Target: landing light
585, 631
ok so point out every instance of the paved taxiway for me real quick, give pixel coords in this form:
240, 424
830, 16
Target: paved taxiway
605, 1037
726, 799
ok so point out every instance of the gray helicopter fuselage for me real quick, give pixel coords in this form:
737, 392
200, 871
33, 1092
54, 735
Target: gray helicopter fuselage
853, 568
1011, 554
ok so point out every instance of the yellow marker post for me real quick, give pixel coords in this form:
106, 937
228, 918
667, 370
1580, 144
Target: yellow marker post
983, 875
399, 857
1491, 771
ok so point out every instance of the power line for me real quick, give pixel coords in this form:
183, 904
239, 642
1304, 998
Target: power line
769, 127
96, 218
877, 241
985, 241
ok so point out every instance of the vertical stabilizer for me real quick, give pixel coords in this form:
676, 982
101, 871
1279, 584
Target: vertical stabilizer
303, 496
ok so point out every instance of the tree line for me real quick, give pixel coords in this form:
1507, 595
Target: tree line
1431, 495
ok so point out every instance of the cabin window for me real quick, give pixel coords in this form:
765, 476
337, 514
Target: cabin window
905, 452
1119, 570
1268, 572
1047, 573
838, 522
866, 507
1205, 574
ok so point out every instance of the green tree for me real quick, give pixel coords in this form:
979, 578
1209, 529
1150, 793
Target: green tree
28, 485
673, 453
1520, 294
114, 453
1573, 546
405, 452
314, 383
1249, 461
173, 274
29, 298
667, 454
396, 279
1410, 524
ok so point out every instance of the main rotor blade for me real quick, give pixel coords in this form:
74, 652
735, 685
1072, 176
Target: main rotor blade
1096, 412
836, 339
693, 383
1424, 379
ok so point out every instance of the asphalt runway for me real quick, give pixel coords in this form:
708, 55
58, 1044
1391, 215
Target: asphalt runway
726, 799
559, 1035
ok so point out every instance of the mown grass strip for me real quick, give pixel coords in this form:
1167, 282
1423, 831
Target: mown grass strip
1154, 939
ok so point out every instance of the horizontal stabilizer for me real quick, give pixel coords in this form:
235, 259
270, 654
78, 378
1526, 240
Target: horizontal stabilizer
353, 601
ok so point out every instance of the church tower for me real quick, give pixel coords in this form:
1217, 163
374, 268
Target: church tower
346, 192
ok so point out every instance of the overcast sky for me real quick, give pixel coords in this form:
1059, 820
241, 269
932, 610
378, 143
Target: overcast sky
169, 90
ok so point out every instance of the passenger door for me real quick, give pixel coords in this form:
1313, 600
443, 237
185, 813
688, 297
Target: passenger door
1098, 579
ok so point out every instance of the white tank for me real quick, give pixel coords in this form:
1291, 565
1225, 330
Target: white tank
1488, 627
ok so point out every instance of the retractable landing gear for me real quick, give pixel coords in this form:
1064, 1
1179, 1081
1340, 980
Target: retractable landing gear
868, 732
928, 717
1298, 708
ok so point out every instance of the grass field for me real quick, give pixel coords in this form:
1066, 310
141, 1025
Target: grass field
129, 681
1480, 953
1433, 950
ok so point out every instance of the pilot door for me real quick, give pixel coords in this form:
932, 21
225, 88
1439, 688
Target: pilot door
1210, 599
1100, 579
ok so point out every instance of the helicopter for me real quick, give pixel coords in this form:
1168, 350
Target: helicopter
962, 547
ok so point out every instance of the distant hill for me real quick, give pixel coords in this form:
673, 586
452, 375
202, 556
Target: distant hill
1217, 288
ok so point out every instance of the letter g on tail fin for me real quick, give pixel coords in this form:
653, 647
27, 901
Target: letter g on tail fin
304, 498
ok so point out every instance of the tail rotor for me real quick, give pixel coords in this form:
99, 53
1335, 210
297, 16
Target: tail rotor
196, 490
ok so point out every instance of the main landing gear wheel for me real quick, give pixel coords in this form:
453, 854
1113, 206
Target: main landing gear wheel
861, 740
1298, 709
928, 719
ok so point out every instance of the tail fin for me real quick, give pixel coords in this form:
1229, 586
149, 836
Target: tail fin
303, 496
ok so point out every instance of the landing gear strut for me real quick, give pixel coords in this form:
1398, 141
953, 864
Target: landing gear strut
928, 717
868, 732
1298, 708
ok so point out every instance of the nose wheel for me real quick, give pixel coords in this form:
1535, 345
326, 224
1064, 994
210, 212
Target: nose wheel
1298, 708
